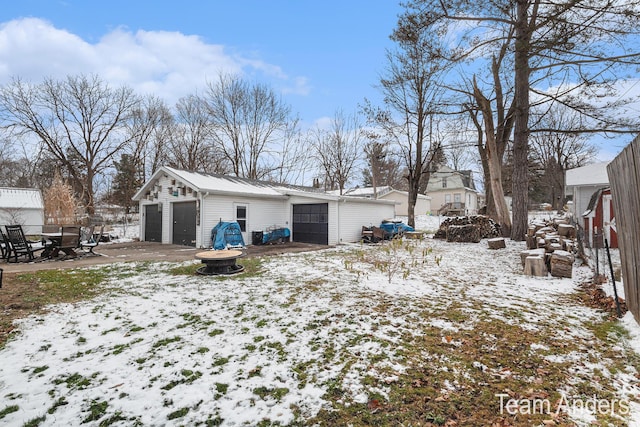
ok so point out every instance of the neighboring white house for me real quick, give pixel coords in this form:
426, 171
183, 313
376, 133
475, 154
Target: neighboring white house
581, 183
452, 191
423, 202
182, 207
22, 206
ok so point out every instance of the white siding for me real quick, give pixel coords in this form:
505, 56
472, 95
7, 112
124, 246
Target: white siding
261, 214
22, 206
353, 215
423, 204
161, 195
581, 197
31, 220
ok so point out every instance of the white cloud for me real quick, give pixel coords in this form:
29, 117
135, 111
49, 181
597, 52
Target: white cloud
167, 64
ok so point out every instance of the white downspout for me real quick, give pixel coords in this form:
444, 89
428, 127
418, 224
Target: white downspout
203, 236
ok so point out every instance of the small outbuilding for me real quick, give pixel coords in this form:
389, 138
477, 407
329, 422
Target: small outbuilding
182, 207
581, 183
22, 206
592, 208
599, 220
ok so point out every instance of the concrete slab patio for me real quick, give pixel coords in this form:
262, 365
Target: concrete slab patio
145, 251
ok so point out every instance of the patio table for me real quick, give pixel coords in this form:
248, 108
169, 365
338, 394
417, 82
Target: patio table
52, 251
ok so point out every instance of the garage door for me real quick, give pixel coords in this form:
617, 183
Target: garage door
152, 224
311, 223
184, 223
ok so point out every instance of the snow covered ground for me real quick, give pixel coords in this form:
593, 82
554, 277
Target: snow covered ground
161, 349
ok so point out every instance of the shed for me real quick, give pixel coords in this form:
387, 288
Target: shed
581, 183
599, 220
22, 206
182, 207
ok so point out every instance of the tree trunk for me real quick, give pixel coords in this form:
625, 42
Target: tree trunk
490, 205
521, 135
493, 160
495, 173
413, 197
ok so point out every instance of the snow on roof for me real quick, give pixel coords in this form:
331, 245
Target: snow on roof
361, 191
593, 174
20, 198
368, 192
224, 183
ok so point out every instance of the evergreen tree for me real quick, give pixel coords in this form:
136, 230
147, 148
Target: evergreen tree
126, 182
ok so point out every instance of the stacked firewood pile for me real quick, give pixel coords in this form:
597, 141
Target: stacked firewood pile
470, 228
550, 248
463, 233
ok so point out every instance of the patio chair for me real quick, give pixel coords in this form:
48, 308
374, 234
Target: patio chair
20, 246
92, 240
5, 246
70, 239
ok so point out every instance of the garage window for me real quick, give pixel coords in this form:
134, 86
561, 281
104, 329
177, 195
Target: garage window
241, 217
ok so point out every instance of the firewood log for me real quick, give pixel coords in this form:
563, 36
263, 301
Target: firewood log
535, 266
562, 264
497, 243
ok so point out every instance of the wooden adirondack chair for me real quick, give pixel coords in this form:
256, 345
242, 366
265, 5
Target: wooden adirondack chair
20, 246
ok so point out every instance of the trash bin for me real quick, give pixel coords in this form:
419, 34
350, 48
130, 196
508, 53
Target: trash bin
256, 237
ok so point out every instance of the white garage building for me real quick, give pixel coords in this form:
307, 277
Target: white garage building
182, 207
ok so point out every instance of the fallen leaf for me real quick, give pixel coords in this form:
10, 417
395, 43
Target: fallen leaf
374, 405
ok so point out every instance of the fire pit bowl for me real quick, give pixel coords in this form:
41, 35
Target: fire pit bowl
222, 262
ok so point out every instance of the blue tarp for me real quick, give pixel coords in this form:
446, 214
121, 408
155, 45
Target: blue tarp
395, 228
279, 234
226, 235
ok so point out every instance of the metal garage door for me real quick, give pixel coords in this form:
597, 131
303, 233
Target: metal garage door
152, 224
311, 223
184, 223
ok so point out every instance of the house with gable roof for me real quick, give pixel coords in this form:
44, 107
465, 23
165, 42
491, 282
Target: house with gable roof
453, 192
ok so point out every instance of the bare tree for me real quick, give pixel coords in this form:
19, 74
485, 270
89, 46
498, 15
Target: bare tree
190, 144
383, 166
150, 130
338, 149
569, 51
411, 95
246, 120
460, 144
289, 158
556, 150
80, 121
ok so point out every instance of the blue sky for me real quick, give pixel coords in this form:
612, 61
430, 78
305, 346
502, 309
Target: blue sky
321, 56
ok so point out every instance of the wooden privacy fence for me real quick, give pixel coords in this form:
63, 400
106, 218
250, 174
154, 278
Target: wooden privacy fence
624, 177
